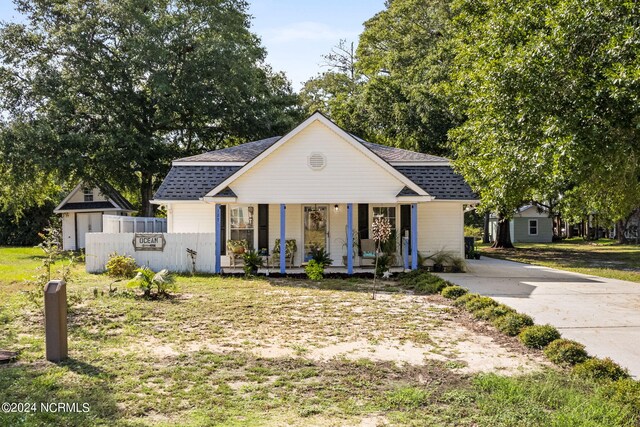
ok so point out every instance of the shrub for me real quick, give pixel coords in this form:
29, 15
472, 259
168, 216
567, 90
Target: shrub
539, 336
453, 292
493, 312
252, 262
385, 261
600, 369
121, 266
480, 303
566, 352
464, 299
320, 256
314, 270
624, 392
152, 284
512, 323
429, 284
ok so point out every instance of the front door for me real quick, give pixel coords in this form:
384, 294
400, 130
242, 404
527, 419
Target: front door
315, 229
87, 223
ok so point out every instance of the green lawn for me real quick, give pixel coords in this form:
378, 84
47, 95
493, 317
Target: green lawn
604, 258
18, 264
280, 352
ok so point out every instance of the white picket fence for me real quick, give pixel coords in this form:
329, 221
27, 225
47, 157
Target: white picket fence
174, 257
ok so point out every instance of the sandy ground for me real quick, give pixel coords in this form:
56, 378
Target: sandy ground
444, 334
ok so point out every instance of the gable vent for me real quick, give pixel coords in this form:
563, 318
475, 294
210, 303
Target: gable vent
317, 161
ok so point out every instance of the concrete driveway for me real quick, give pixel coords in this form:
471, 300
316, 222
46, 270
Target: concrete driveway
603, 314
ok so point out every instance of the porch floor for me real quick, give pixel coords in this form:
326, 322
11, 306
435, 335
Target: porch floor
300, 270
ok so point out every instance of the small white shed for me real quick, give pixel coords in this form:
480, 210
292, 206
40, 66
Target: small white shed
82, 212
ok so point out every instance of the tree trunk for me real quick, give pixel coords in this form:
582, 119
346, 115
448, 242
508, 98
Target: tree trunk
503, 234
569, 229
620, 229
485, 234
146, 193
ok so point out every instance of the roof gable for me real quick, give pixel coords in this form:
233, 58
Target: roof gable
113, 200
347, 138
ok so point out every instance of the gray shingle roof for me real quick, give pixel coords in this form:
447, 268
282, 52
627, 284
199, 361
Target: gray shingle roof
192, 182
114, 195
87, 205
394, 154
441, 182
239, 153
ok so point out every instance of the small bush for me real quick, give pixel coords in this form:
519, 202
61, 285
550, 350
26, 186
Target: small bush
600, 369
512, 323
464, 299
624, 392
314, 270
493, 312
429, 284
480, 303
121, 266
539, 336
566, 352
153, 285
453, 292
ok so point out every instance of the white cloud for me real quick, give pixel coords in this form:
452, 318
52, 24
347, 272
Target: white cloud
306, 31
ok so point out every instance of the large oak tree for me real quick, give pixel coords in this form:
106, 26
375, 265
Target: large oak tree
115, 89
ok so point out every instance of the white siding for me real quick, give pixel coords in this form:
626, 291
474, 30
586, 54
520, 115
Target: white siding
78, 196
348, 177
174, 257
191, 218
441, 227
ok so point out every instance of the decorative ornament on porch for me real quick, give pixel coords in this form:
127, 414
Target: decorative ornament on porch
380, 231
316, 216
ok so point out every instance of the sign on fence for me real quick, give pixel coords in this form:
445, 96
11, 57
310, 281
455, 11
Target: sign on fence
148, 242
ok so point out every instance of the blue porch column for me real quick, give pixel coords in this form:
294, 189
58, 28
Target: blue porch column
283, 241
350, 238
414, 236
218, 238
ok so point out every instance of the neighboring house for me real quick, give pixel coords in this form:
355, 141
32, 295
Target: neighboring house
530, 224
322, 187
82, 212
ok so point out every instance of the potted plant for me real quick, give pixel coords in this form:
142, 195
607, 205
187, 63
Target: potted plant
439, 259
252, 261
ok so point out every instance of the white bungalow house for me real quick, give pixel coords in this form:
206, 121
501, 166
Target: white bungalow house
319, 187
82, 211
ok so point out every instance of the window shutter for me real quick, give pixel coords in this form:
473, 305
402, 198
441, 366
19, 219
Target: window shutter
363, 222
263, 227
405, 222
223, 229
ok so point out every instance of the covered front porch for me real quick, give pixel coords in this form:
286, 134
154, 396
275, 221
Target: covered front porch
286, 235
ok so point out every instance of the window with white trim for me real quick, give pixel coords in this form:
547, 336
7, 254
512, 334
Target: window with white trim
88, 194
533, 227
242, 224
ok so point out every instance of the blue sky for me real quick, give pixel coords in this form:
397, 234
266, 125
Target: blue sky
296, 33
